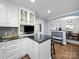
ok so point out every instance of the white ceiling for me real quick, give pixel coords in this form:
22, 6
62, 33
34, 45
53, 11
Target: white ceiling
57, 7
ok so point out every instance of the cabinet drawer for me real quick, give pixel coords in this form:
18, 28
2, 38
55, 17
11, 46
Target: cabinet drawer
12, 57
12, 47
11, 42
2, 45
12, 53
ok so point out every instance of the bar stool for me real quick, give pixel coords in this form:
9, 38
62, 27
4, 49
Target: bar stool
52, 48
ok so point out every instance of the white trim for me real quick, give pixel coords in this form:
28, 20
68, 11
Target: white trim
64, 14
64, 43
73, 42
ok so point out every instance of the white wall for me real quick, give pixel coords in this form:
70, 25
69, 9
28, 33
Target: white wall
62, 22
37, 22
46, 28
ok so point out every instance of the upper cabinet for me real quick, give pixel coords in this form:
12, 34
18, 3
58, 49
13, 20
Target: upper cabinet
3, 13
12, 14
31, 17
26, 17
8, 14
23, 16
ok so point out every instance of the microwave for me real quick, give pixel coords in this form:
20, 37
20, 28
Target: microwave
26, 29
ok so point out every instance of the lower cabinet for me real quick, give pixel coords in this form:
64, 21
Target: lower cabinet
2, 53
45, 50
12, 54
18, 48
9, 50
22, 47
32, 48
12, 57
12, 50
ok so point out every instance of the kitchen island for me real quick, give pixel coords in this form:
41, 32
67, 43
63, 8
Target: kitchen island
40, 46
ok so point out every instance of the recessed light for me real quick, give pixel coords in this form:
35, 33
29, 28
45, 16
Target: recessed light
49, 11
32, 1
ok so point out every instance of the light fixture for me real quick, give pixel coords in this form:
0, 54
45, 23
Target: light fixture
32, 1
49, 11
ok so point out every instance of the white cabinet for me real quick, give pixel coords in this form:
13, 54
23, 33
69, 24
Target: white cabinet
12, 50
26, 17
2, 51
31, 19
9, 50
1, 9
39, 51
12, 14
35, 50
12, 54
28, 46
8, 14
45, 50
22, 47
17, 48
3, 13
23, 16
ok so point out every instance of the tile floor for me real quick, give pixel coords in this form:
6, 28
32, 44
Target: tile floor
69, 51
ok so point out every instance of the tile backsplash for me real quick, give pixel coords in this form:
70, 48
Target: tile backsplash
8, 31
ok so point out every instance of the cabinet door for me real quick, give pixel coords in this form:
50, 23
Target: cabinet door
22, 47
1, 10
29, 46
12, 54
12, 57
32, 49
45, 50
2, 13
31, 18
12, 14
12, 49
2, 53
35, 50
23, 16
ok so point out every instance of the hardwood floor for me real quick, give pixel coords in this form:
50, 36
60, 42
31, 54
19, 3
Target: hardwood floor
66, 52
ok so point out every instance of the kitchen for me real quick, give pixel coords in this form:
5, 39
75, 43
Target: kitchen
24, 30
16, 27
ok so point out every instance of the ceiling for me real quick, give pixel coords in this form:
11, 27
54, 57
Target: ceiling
57, 7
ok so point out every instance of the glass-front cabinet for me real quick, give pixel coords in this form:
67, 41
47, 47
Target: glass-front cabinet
26, 17
23, 16
21, 29
31, 18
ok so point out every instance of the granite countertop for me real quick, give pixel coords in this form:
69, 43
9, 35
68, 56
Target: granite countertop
40, 38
